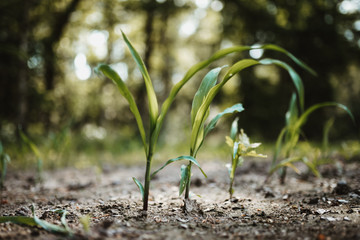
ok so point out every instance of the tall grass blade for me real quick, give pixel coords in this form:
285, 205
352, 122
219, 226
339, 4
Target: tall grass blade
153, 103
123, 89
140, 186
188, 158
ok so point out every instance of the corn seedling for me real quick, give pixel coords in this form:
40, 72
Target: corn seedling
36, 222
241, 147
35, 150
4, 160
157, 117
201, 108
289, 137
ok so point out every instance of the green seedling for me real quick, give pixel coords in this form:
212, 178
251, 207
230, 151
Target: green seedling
4, 160
289, 137
157, 117
241, 147
201, 108
35, 150
36, 222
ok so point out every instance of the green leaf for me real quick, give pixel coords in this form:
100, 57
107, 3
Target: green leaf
21, 220
282, 50
123, 89
294, 76
153, 104
1, 148
303, 118
185, 172
235, 108
49, 226
140, 186
206, 84
188, 158
234, 129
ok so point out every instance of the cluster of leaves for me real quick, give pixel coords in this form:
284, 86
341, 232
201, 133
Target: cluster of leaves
241, 147
289, 137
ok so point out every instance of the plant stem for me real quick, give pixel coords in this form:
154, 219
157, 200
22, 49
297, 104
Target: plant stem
187, 188
283, 175
232, 176
147, 180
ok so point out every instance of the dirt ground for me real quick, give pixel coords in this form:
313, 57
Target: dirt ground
304, 208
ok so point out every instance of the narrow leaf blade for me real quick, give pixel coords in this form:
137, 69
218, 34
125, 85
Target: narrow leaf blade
153, 103
233, 109
188, 158
140, 186
123, 89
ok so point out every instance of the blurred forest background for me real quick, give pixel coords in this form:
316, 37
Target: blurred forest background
48, 50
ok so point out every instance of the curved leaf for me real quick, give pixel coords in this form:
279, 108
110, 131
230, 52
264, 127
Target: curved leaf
188, 158
235, 108
153, 104
140, 186
303, 118
123, 89
49, 226
290, 55
294, 76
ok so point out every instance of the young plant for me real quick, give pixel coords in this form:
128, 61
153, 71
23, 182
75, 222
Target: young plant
4, 160
201, 108
37, 154
157, 117
241, 147
289, 137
